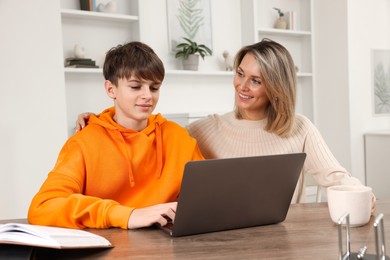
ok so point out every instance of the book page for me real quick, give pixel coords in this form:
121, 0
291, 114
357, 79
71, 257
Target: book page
54, 237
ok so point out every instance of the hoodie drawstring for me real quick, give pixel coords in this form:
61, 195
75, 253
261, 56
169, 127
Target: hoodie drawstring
159, 150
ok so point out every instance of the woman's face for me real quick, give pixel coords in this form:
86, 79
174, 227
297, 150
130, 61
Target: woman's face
250, 96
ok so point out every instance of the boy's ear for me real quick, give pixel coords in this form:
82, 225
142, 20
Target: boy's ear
110, 89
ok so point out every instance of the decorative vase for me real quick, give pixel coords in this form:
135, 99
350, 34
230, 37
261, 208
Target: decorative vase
79, 51
281, 23
191, 62
109, 7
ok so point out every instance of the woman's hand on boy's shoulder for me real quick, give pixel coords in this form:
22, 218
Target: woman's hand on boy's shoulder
82, 121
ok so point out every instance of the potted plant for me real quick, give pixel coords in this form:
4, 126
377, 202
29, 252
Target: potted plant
190, 52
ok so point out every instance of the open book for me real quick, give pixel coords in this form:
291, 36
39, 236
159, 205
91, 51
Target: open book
52, 237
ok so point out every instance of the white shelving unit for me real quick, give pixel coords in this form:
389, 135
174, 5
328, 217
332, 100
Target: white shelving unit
71, 13
97, 32
258, 19
184, 92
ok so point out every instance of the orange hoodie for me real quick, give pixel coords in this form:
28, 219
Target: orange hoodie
105, 171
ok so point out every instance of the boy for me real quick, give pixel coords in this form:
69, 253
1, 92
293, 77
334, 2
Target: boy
125, 168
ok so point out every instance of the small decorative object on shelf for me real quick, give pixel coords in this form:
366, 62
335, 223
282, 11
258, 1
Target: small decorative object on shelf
110, 7
281, 22
190, 52
228, 61
80, 63
79, 60
78, 51
291, 18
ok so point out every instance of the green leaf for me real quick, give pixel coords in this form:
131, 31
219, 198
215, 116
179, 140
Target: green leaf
188, 47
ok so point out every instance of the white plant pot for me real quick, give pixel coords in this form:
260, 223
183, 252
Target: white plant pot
191, 62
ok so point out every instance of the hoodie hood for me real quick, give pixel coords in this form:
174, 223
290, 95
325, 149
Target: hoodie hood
105, 120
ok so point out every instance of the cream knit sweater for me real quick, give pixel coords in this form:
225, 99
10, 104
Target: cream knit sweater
224, 136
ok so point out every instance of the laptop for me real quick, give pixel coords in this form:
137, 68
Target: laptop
231, 193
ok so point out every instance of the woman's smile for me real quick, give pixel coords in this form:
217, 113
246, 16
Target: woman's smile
244, 96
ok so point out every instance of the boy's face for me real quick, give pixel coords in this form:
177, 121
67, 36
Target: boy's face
135, 99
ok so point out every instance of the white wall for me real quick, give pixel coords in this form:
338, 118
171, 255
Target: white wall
32, 100
331, 77
368, 28
344, 97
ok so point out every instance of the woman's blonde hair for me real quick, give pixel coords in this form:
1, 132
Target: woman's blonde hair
278, 76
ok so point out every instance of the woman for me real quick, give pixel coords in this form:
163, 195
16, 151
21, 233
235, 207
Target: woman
264, 121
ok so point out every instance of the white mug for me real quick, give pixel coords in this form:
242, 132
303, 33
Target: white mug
356, 200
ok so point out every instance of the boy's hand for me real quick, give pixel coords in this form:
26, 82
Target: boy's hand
157, 214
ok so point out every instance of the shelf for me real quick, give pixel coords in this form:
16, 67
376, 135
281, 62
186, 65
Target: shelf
198, 73
282, 32
167, 72
83, 70
170, 72
379, 132
70, 13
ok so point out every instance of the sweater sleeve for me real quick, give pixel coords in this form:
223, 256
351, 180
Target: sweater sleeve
321, 163
60, 200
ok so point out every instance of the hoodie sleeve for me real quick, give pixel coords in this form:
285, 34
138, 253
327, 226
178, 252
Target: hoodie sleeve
60, 200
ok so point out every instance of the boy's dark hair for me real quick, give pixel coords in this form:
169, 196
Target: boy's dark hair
133, 59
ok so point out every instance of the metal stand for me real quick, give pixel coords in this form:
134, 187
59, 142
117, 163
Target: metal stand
379, 236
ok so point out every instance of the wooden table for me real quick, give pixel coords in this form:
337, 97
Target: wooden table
307, 233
